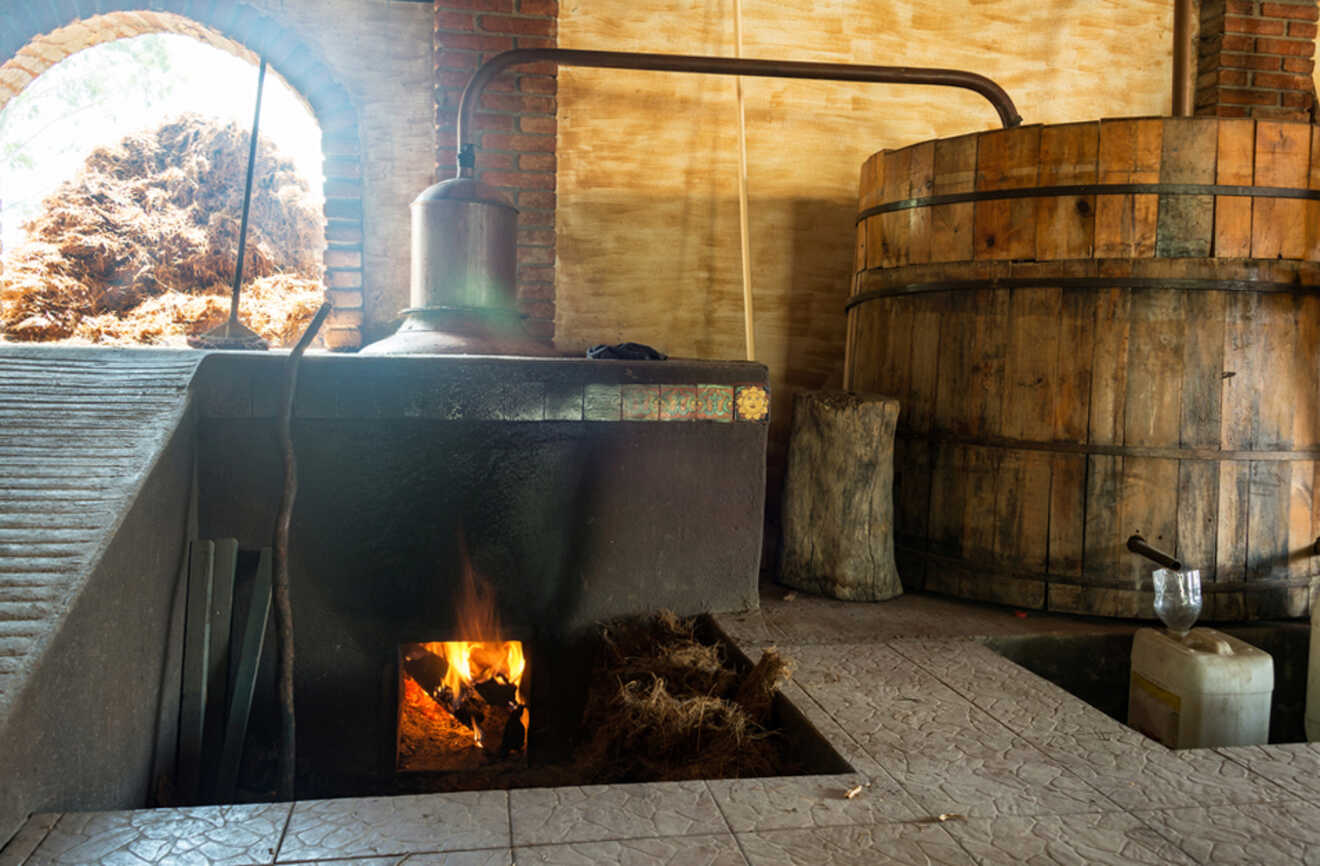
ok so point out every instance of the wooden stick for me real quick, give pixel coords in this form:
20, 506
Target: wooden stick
280, 554
744, 231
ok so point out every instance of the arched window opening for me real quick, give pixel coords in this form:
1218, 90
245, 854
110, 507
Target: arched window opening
121, 186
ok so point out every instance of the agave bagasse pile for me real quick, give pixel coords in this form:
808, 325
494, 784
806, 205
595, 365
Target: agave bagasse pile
664, 707
141, 246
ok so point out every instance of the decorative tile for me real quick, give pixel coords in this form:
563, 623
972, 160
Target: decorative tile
678, 402
719, 850
640, 402
563, 402
795, 802
27, 839
370, 826
1274, 833
1137, 773
228, 835
598, 812
752, 403
876, 845
1045, 840
601, 402
715, 402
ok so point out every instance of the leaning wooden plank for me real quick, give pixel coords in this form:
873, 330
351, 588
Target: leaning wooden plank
196, 647
217, 677
248, 662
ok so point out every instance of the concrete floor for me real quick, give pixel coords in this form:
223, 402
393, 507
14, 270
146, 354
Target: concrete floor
960, 755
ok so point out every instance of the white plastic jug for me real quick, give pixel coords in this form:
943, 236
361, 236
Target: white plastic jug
1204, 689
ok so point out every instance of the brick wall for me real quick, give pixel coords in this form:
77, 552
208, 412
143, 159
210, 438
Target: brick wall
1256, 58
515, 125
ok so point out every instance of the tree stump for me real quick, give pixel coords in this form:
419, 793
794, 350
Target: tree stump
838, 511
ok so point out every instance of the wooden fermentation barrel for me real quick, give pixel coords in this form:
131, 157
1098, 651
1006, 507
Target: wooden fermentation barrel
1095, 330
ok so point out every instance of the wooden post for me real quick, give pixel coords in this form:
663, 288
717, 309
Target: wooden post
838, 512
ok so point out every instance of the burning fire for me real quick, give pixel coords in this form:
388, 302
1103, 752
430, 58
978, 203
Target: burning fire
477, 685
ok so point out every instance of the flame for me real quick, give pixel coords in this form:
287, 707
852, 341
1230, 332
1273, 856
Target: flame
481, 672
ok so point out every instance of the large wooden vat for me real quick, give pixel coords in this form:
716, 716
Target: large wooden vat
1096, 330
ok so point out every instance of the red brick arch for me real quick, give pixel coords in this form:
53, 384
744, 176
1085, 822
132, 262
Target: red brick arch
36, 35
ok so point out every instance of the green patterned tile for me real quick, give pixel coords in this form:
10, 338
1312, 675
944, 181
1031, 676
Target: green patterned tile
640, 402
601, 403
563, 402
714, 402
678, 402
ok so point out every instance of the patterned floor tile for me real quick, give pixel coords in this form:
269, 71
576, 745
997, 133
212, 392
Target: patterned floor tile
1274, 833
842, 742
227, 835
603, 812
1045, 840
1138, 773
715, 850
1026, 703
917, 844
1020, 782
27, 838
1293, 766
796, 802
397, 825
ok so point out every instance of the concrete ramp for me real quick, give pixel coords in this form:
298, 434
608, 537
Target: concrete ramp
80, 430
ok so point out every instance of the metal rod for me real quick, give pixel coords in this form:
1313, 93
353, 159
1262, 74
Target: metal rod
247, 196
1138, 545
1186, 27
1008, 114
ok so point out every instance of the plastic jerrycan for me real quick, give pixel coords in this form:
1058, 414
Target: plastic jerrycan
1201, 690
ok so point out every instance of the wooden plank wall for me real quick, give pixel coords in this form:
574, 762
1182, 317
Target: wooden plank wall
647, 221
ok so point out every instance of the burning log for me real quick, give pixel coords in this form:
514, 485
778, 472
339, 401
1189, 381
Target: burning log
464, 687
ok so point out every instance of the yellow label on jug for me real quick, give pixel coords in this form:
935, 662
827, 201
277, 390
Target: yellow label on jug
1154, 711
